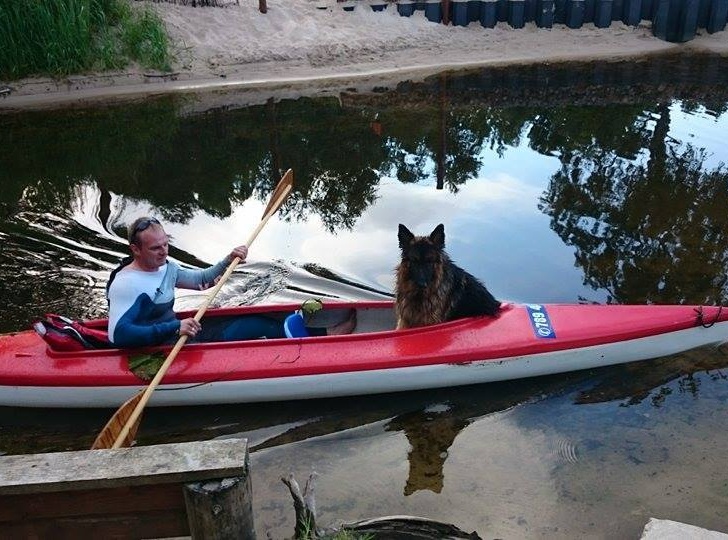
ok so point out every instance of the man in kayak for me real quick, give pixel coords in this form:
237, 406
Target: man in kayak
141, 297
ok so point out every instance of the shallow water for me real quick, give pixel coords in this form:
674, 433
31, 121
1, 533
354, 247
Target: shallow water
555, 184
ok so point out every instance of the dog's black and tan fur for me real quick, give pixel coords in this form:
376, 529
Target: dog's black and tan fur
431, 288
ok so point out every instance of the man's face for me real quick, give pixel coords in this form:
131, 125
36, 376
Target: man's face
152, 248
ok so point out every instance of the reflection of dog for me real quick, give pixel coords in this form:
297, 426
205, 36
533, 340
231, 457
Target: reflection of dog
432, 289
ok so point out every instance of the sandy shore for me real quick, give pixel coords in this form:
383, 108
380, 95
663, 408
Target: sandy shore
298, 49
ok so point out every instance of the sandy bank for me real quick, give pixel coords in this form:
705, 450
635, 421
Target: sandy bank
297, 49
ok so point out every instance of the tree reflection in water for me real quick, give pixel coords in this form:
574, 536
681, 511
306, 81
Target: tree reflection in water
649, 230
643, 211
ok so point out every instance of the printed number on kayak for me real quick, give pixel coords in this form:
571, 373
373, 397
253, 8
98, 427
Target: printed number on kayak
540, 321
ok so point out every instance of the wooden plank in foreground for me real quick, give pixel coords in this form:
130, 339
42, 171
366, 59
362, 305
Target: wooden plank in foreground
136, 492
135, 466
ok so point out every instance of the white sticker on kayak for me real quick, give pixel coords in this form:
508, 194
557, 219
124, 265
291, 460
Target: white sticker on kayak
540, 321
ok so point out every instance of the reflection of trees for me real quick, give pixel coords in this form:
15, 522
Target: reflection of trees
437, 128
644, 216
646, 229
638, 381
41, 246
577, 132
448, 142
211, 162
51, 161
336, 158
46, 155
200, 163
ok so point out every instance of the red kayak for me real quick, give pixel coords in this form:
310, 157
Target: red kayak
524, 340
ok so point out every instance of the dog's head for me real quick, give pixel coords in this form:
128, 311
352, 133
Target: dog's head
422, 256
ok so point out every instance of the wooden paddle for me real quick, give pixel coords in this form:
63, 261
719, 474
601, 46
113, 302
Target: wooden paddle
121, 429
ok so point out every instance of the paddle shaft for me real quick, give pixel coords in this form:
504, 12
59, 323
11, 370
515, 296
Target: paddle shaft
183, 338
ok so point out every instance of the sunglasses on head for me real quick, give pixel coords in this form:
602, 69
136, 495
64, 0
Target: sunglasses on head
143, 225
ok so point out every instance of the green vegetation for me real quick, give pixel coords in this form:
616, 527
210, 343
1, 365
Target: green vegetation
60, 37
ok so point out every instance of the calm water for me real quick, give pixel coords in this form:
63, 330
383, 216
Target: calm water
555, 184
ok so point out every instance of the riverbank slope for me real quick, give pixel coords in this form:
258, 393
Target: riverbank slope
300, 49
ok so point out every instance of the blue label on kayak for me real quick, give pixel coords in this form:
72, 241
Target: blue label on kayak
540, 321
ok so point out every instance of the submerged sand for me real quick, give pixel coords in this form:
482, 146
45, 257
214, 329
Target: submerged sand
301, 48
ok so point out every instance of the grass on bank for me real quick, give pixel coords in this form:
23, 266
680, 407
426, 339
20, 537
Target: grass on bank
61, 37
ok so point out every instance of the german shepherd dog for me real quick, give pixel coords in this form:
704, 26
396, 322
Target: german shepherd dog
430, 288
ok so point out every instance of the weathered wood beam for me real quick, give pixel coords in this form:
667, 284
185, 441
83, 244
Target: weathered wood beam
128, 492
139, 465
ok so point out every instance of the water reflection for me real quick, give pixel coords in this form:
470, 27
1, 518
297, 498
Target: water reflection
641, 209
522, 445
430, 433
554, 183
650, 231
429, 420
634, 383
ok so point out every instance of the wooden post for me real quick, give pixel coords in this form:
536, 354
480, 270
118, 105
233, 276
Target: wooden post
446, 11
221, 509
263, 6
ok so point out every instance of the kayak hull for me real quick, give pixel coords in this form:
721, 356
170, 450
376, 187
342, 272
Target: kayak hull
378, 360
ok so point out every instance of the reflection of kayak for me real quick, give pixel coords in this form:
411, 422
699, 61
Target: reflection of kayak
522, 341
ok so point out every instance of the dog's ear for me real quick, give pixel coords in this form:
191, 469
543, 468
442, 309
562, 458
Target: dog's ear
405, 236
438, 236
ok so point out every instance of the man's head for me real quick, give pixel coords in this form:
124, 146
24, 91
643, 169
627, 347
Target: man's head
148, 242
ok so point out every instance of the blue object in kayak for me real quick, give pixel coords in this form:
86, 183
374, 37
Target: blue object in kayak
294, 326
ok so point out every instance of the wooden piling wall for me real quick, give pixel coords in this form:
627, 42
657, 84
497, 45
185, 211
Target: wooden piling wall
672, 20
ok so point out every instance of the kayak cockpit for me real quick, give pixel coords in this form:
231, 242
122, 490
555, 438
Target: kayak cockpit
63, 335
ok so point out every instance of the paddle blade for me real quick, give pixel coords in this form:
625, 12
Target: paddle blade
285, 183
107, 437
